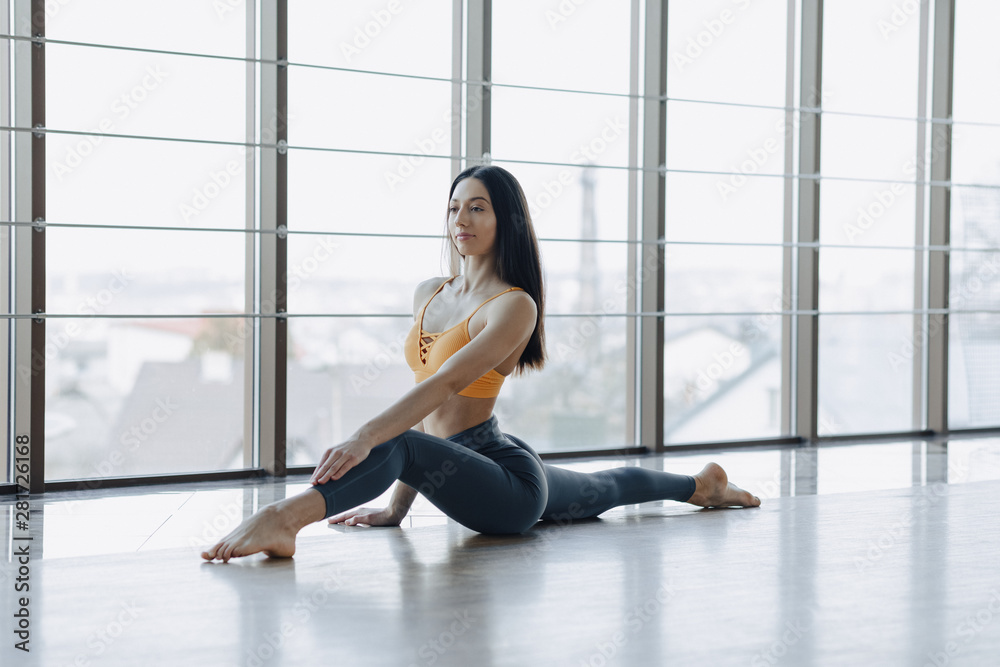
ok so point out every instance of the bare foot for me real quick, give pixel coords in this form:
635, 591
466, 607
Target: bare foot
269, 530
272, 529
712, 489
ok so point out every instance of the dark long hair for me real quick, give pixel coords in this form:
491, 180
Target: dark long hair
517, 259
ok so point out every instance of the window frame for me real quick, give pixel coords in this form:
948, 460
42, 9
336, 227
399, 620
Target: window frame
22, 236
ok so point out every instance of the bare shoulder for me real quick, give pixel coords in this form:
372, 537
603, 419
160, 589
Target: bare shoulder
424, 291
519, 300
515, 306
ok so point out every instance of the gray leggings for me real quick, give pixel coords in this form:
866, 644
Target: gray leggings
495, 483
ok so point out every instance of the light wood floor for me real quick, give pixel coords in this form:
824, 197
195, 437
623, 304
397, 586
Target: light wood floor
898, 576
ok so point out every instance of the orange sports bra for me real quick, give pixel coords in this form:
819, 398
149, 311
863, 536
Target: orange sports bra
425, 352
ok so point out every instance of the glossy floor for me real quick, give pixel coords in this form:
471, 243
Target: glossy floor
868, 554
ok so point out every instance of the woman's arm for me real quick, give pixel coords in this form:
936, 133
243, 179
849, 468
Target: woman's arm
392, 515
402, 499
510, 322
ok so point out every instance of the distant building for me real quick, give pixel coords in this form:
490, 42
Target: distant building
976, 285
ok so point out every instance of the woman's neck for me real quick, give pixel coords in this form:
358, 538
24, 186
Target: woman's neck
479, 273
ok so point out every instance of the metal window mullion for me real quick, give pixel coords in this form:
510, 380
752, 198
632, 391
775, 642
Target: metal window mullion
632, 352
457, 63
650, 274
938, 267
273, 247
7, 213
250, 371
479, 58
29, 243
281, 248
920, 322
787, 423
807, 264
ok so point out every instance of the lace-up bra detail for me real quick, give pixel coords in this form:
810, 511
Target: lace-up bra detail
426, 351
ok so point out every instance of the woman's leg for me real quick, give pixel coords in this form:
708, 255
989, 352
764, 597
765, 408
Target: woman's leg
576, 495
486, 483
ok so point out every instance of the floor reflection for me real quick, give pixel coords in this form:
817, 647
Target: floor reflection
885, 576
193, 516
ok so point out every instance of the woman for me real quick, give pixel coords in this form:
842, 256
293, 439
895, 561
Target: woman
441, 438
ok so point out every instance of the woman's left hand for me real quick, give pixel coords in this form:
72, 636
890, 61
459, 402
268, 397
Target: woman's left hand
336, 461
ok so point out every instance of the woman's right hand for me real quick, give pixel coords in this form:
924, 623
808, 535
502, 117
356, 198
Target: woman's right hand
367, 516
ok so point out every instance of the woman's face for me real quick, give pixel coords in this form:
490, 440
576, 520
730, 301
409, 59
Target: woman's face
471, 220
